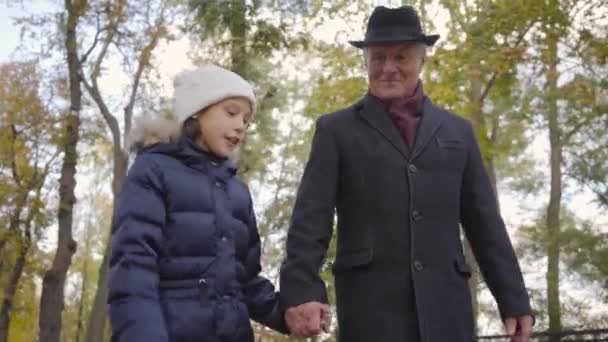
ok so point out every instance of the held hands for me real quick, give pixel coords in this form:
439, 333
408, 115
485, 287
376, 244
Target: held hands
519, 328
308, 319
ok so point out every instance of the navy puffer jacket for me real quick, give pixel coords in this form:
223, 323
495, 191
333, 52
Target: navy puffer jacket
185, 252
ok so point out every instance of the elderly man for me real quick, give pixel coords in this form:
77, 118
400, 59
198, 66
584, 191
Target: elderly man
402, 175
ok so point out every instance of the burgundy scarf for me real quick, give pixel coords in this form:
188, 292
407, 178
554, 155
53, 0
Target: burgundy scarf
406, 113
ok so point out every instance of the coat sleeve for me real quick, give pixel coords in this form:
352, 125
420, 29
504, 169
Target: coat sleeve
133, 298
488, 236
260, 296
311, 222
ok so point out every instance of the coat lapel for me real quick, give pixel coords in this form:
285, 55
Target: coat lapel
374, 114
430, 123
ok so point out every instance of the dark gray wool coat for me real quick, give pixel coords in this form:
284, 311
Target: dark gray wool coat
400, 273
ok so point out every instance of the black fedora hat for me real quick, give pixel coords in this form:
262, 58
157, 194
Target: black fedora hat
391, 25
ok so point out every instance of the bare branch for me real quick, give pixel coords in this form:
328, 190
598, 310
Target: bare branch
32, 209
455, 16
95, 41
102, 54
48, 164
573, 10
577, 127
490, 83
92, 86
110, 119
142, 63
488, 86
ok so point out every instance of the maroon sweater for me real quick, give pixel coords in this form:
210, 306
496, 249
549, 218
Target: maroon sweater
406, 113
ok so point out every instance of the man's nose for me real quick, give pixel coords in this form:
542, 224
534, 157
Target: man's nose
389, 66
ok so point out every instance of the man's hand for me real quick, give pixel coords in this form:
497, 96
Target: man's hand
519, 328
308, 319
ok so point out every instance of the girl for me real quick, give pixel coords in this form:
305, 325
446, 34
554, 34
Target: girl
185, 250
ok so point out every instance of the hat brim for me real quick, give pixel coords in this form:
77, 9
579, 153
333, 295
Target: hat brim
427, 40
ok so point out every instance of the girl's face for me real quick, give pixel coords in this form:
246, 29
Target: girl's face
223, 125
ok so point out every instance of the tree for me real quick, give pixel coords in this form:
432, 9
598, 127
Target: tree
133, 30
95, 213
567, 112
552, 32
51, 301
565, 95
588, 92
244, 40
28, 154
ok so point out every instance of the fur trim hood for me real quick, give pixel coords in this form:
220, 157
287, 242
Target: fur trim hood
151, 131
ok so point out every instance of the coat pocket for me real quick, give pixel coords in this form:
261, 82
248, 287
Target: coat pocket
462, 267
452, 144
352, 260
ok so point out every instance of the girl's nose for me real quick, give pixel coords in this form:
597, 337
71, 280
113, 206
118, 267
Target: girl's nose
240, 126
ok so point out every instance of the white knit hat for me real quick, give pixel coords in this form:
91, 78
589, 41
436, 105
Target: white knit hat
200, 88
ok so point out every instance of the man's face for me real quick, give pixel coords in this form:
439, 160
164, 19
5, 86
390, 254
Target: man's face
393, 69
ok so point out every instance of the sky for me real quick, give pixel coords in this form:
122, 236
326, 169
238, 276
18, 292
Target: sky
174, 57
9, 34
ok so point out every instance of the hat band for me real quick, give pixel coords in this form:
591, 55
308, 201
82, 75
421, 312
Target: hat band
395, 32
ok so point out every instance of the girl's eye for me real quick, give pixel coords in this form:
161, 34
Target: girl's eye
231, 113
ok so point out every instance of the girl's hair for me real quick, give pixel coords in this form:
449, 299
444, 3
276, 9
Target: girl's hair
191, 129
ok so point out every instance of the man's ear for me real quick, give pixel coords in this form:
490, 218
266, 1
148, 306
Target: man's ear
422, 61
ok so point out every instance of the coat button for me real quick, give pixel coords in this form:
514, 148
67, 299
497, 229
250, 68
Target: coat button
413, 168
214, 163
224, 239
219, 185
418, 265
416, 215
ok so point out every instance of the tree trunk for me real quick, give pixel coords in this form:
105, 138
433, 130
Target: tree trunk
97, 319
52, 299
11, 287
474, 282
487, 142
19, 203
12, 232
553, 209
51, 302
479, 126
83, 290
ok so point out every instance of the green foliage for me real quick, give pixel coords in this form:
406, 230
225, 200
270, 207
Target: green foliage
29, 134
246, 38
584, 254
341, 83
